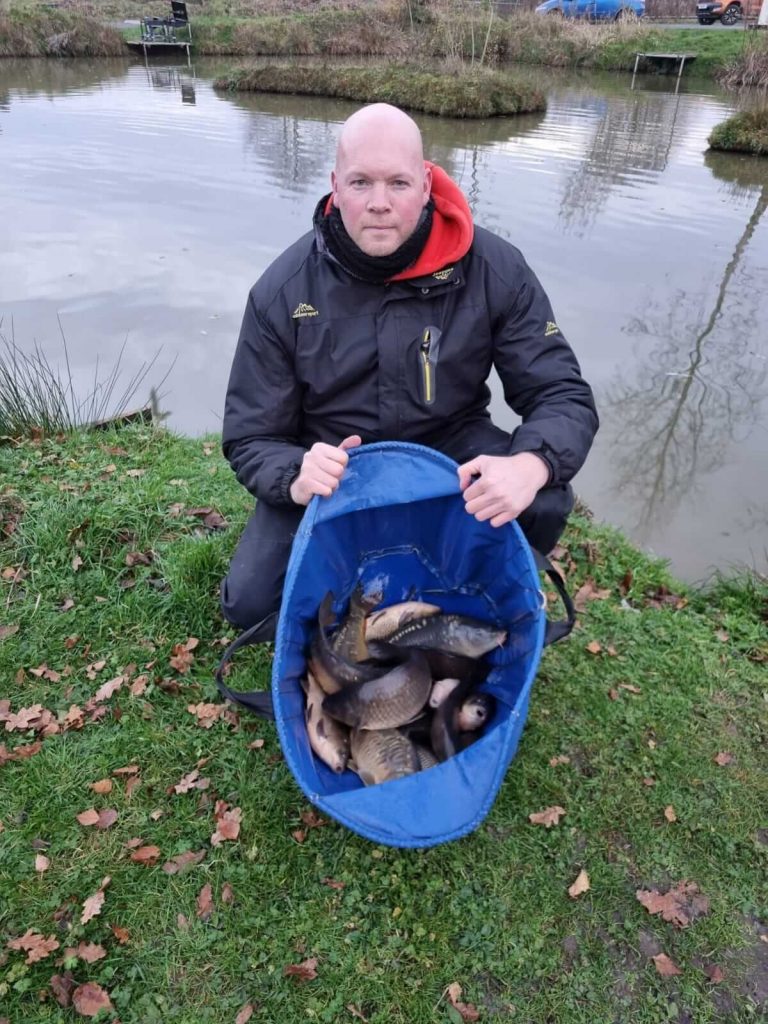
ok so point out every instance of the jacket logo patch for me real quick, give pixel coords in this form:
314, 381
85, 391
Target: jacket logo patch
549, 330
304, 309
443, 275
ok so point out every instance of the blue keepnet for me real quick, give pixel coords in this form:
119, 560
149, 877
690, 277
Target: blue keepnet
397, 523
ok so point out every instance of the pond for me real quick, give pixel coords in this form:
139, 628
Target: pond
138, 206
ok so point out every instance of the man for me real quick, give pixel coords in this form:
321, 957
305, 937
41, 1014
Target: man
383, 323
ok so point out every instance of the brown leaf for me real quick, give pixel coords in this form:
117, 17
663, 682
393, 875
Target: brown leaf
62, 986
594, 647
312, 820
90, 952
667, 968
121, 934
205, 902
466, 1010
299, 835
129, 769
36, 946
88, 999
714, 973
630, 688
723, 758
356, 1013
106, 690
669, 813
245, 1014
227, 893
89, 817
41, 863
191, 781
681, 905
589, 592
130, 785
206, 713
548, 817
66, 605
92, 906
581, 885
256, 745
182, 861
227, 823
105, 818
305, 971
559, 759
76, 563
333, 884
6, 631
102, 786
147, 855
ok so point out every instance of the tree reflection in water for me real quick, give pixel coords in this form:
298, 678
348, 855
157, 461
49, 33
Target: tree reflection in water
694, 396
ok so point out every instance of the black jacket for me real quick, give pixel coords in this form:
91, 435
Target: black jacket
322, 355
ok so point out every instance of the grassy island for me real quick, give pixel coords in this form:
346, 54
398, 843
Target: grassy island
119, 765
743, 133
468, 92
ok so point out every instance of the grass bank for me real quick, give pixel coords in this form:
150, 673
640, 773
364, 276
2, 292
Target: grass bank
57, 34
746, 132
647, 726
464, 92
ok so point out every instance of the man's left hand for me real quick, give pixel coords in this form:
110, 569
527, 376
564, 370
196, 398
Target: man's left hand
500, 487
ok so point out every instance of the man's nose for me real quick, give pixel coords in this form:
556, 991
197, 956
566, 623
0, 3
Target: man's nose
378, 198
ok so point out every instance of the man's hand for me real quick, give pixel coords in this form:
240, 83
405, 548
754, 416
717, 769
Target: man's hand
321, 469
500, 487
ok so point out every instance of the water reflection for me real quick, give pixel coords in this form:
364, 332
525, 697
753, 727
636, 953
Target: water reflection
174, 79
699, 390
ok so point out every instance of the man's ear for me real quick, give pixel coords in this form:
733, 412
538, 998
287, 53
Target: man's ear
334, 188
427, 184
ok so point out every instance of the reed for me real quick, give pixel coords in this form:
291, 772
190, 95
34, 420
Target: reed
37, 399
57, 34
469, 93
749, 68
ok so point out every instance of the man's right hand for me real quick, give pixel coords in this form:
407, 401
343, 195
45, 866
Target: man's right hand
321, 470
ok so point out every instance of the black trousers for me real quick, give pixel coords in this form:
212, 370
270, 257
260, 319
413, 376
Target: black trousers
252, 589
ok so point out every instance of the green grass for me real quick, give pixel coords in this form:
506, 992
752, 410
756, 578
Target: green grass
746, 132
467, 92
490, 911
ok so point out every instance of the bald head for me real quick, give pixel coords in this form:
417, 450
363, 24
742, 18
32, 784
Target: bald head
377, 126
380, 183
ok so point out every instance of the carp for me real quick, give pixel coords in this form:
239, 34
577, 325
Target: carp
382, 754
328, 739
391, 699
332, 670
460, 707
349, 639
382, 623
450, 634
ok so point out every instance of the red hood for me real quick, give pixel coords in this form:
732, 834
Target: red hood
452, 228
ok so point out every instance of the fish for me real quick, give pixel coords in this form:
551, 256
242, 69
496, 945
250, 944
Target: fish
475, 712
349, 639
446, 736
385, 621
331, 670
426, 758
450, 634
440, 690
441, 664
382, 754
391, 699
328, 739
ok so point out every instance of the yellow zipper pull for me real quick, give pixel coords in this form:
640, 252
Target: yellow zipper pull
426, 341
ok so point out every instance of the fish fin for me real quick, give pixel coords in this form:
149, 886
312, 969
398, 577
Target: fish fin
308, 715
321, 729
304, 684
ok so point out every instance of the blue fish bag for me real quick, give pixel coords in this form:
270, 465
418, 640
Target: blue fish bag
397, 524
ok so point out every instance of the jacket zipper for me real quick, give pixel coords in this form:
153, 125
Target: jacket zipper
426, 367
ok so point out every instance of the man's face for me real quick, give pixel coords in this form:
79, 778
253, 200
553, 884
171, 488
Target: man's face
380, 186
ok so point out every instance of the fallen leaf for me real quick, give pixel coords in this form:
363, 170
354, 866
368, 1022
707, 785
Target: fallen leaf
594, 647
102, 786
667, 968
41, 863
714, 973
356, 1013
92, 906
89, 817
333, 884
105, 818
76, 563
106, 690
129, 769
648, 781
548, 817
580, 886
629, 687
90, 998
66, 605
147, 855
305, 971
669, 813
465, 1010
312, 819
723, 758
256, 745
589, 592
62, 986
90, 952
559, 759
191, 781
135, 472
121, 934
299, 835
680, 905
206, 714
6, 631
227, 823
36, 946
205, 902
227, 893
182, 861
245, 1014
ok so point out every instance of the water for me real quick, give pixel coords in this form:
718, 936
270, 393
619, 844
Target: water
137, 203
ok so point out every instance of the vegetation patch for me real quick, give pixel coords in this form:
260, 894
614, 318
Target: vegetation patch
57, 34
160, 862
749, 67
471, 92
746, 132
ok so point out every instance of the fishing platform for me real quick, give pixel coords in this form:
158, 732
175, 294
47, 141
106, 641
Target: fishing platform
164, 35
662, 60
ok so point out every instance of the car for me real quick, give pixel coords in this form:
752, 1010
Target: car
593, 10
726, 11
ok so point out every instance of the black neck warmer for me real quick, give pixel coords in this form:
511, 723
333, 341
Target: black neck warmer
374, 269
